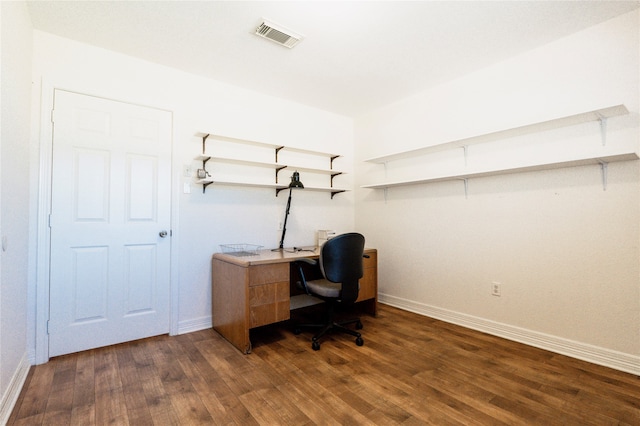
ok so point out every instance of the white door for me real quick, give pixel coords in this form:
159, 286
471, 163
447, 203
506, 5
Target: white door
110, 208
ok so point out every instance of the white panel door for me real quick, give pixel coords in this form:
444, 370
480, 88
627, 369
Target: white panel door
111, 177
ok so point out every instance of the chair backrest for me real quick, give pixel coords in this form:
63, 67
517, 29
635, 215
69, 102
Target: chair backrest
341, 262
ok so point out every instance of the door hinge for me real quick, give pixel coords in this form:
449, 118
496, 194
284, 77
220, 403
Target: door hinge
49, 220
53, 115
48, 321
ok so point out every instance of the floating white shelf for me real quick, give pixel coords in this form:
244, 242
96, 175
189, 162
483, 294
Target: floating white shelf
595, 115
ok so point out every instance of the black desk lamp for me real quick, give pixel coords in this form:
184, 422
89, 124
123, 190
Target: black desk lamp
295, 183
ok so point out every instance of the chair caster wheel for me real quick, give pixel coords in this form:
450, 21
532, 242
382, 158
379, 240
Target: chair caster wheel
359, 341
358, 325
315, 346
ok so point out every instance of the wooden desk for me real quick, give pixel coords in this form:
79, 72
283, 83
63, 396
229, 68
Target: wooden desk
252, 291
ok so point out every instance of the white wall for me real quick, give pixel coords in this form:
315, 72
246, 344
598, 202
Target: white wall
565, 251
16, 34
221, 215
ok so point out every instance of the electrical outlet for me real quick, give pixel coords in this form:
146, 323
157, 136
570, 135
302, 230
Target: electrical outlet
279, 225
496, 289
186, 170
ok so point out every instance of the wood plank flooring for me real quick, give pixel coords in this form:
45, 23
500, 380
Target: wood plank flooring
412, 370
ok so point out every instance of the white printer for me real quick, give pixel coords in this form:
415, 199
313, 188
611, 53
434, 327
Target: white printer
324, 235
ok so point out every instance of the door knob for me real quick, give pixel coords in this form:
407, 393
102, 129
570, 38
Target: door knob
163, 234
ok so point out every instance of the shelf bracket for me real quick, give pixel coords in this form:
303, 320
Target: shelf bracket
465, 149
333, 157
277, 151
466, 187
204, 143
334, 193
204, 169
278, 171
204, 186
604, 168
334, 175
603, 128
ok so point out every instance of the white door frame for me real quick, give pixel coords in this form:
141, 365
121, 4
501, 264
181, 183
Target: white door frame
41, 311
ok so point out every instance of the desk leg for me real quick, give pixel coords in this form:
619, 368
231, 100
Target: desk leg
370, 306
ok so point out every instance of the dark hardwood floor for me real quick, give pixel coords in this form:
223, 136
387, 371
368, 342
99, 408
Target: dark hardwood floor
411, 370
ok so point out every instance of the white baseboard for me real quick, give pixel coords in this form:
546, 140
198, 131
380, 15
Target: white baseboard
10, 397
594, 354
196, 324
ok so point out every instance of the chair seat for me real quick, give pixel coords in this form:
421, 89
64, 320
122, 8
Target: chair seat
324, 288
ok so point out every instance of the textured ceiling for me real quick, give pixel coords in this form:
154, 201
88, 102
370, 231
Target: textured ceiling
355, 56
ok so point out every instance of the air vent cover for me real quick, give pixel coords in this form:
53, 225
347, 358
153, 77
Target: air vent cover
278, 34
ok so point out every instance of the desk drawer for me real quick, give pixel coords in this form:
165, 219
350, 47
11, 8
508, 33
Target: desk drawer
369, 280
368, 285
265, 274
371, 261
268, 303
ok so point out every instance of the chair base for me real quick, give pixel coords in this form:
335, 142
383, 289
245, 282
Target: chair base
331, 326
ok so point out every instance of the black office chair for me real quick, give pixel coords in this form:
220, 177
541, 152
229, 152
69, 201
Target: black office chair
340, 264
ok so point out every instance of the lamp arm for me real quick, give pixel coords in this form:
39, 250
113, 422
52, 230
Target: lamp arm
286, 214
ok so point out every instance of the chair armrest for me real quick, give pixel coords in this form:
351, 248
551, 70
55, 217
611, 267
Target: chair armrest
303, 281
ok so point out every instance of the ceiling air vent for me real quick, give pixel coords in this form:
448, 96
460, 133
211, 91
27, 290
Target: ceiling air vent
276, 33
